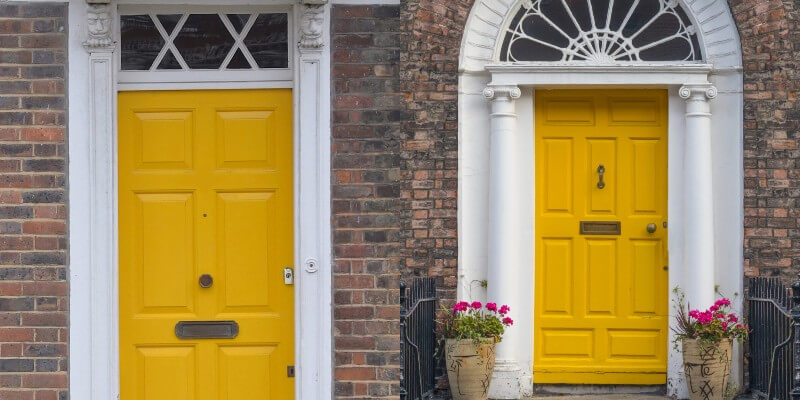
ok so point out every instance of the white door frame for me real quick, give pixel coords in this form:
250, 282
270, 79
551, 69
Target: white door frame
497, 189
93, 86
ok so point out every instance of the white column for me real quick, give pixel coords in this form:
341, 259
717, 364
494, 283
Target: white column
313, 329
504, 194
698, 196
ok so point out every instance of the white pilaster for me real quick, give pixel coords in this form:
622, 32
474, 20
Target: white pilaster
101, 272
312, 162
504, 194
698, 196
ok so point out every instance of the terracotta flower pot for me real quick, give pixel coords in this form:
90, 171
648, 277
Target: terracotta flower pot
707, 367
469, 367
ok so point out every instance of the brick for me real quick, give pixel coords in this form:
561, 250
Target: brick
16, 365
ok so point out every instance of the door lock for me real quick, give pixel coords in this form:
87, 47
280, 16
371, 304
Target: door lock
288, 276
206, 281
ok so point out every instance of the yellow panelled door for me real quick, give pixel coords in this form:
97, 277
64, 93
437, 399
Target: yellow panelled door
205, 188
601, 297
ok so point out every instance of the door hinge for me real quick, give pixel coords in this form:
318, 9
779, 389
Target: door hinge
290, 371
288, 276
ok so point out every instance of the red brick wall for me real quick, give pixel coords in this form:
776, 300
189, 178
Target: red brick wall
770, 34
367, 205
33, 276
395, 144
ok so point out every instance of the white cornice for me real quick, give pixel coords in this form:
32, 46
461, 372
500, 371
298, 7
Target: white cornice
560, 74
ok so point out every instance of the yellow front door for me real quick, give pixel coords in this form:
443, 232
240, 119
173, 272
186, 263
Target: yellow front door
205, 217
601, 278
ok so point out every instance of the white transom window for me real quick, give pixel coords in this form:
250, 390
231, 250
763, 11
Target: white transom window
600, 31
204, 44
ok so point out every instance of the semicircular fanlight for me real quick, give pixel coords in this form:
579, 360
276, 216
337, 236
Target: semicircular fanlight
600, 31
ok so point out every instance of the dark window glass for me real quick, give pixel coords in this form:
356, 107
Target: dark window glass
169, 61
239, 61
238, 21
678, 48
141, 42
661, 28
600, 11
600, 31
204, 41
619, 11
580, 10
644, 13
543, 53
267, 41
169, 22
555, 11
535, 26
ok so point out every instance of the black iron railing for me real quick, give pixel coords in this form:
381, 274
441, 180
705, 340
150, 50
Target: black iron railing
418, 339
772, 348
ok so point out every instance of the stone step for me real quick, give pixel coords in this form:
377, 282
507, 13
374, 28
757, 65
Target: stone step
600, 397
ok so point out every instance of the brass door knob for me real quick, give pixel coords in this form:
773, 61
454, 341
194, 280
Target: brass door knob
206, 281
651, 228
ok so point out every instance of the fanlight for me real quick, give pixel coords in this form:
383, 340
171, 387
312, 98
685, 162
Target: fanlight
600, 31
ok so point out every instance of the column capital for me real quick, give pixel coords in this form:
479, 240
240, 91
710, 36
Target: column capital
698, 91
504, 92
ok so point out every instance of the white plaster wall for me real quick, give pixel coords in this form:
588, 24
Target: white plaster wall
473, 184
728, 172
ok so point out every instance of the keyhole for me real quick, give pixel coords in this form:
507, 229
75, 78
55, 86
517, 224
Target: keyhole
205, 215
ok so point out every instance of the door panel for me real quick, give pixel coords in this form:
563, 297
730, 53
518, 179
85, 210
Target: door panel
601, 300
205, 187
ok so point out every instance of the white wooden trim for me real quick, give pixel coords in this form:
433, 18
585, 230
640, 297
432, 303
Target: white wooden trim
555, 75
94, 361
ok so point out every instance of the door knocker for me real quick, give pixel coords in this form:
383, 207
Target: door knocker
600, 171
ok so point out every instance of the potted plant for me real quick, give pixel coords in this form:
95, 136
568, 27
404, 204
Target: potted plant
469, 333
706, 337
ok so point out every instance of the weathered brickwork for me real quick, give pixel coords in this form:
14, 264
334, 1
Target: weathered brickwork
368, 174
395, 158
770, 34
33, 276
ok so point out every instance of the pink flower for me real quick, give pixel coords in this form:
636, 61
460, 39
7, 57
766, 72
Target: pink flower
491, 307
733, 318
508, 321
714, 308
722, 303
461, 306
476, 305
724, 326
739, 326
504, 309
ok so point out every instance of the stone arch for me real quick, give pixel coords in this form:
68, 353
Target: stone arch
484, 31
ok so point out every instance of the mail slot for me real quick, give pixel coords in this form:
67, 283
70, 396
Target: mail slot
601, 228
206, 329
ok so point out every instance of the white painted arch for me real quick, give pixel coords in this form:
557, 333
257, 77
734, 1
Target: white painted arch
479, 68
488, 19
